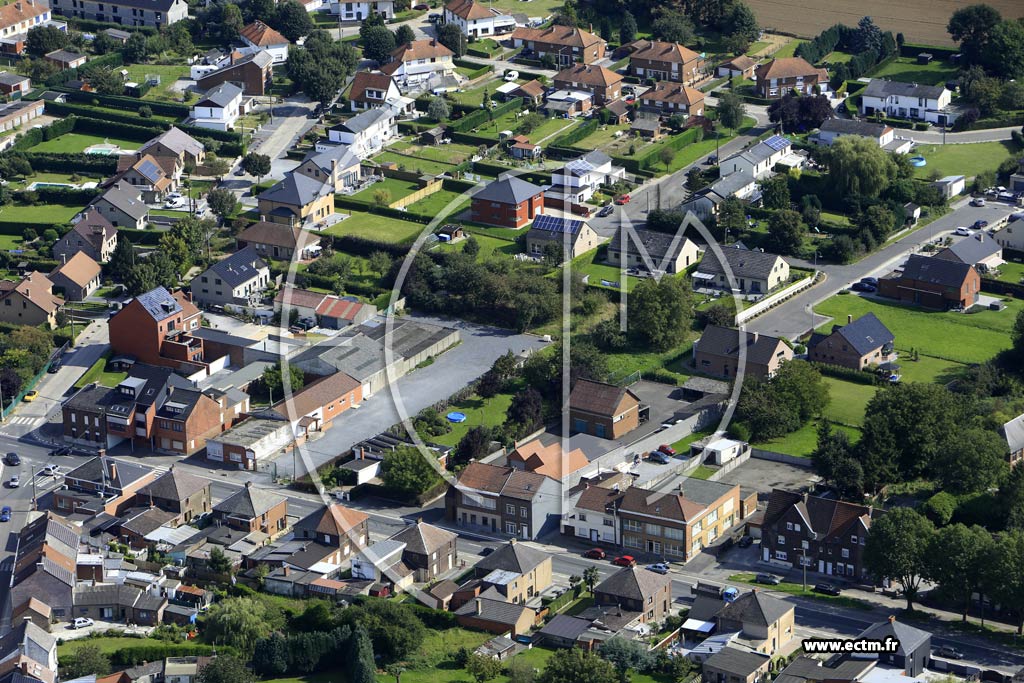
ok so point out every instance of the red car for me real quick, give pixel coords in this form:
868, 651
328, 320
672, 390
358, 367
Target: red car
624, 561
594, 554
666, 449
622, 199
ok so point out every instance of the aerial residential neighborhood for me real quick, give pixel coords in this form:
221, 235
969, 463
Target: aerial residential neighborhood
553, 341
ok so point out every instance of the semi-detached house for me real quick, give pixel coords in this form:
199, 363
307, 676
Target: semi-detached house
784, 74
16, 18
92, 234
567, 44
418, 61
664, 61
908, 101
237, 281
30, 301
604, 84
476, 20
253, 509
365, 133
504, 499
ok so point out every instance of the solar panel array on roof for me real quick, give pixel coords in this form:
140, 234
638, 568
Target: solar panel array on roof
159, 303
150, 170
557, 224
777, 142
580, 166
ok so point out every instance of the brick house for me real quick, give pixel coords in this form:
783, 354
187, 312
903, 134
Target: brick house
635, 589
933, 283
185, 495
508, 203
779, 76
92, 234
496, 616
254, 72
764, 623
154, 327
253, 509
495, 498
604, 84
101, 485
717, 353
825, 535
429, 550
667, 99
314, 407
44, 565
566, 44
297, 200
279, 242
603, 410
336, 526
30, 301
664, 61
858, 345
14, 85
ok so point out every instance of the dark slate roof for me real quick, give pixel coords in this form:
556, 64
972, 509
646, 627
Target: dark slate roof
512, 557
598, 398
497, 611
173, 485
745, 263
297, 189
123, 474
159, 303
423, 539
126, 198
826, 517
866, 333
724, 341
361, 122
879, 87
248, 502
220, 96
177, 140
8, 78
910, 638
804, 669
755, 608
239, 268
936, 271
508, 191
658, 244
565, 626
867, 129
971, 250
737, 662
634, 583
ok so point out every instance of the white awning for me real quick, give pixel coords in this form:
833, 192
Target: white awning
703, 276
698, 626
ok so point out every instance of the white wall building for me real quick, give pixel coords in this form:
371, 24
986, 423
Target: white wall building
357, 11
908, 101
475, 20
365, 133
758, 161
219, 108
577, 181
419, 61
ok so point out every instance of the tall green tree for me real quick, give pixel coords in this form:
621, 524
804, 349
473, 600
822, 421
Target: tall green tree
406, 471
731, 110
897, 548
659, 312
361, 666
237, 622
87, 660
292, 20
627, 28
256, 164
222, 202
378, 43
482, 668
576, 665
231, 23
956, 556
452, 37
972, 27
775, 192
785, 233
624, 655
43, 39
1006, 572
859, 167
225, 669
971, 460
404, 35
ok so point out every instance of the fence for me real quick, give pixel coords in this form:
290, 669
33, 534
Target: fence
771, 301
30, 385
731, 465
430, 188
794, 460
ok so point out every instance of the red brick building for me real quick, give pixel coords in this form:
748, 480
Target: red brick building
253, 509
665, 62
154, 328
566, 44
254, 73
604, 84
508, 203
933, 283
779, 76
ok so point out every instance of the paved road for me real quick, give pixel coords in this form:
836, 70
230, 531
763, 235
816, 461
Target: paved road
291, 120
936, 137
793, 318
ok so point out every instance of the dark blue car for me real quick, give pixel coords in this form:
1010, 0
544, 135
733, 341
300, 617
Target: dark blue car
5, 513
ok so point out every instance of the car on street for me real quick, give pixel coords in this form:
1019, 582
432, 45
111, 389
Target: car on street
511, 75
82, 622
658, 568
595, 554
746, 541
659, 457
978, 201
63, 450
31, 396
484, 552
435, 17
606, 210
863, 287
870, 280
948, 652
421, 7
666, 449
5, 513
51, 470
980, 225
826, 589
711, 160
768, 579
963, 231
624, 561
14, 482
622, 199
54, 368
12, 459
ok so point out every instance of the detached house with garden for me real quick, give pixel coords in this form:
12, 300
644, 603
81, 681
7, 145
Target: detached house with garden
858, 345
908, 101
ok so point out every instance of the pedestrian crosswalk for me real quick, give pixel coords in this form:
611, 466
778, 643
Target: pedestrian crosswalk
30, 421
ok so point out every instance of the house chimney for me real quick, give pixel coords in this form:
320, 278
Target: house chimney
849, 318
113, 469
285, 569
754, 336
479, 605
892, 619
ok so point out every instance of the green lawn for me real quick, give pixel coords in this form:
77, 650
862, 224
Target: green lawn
169, 73
1011, 272
380, 228
789, 49
929, 369
837, 57
480, 412
837, 218
757, 47
798, 589
966, 159
848, 400
959, 337
907, 69
395, 188
552, 126
683, 445
77, 142
702, 472
98, 373
437, 204
803, 441
38, 213
603, 135
418, 165
451, 153
106, 645
490, 246
588, 264
8, 242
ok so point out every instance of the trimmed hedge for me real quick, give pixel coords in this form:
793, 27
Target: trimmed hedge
360, 246
479, 116
88, 111
913, 49
343, 202
126, 103
457, 185
78, 162
1014, 289
471, 138
848, 374
644, 162
60, 195
478, 68
146, 238
19, 227
131, 656
537, 177
577, 133
121, 130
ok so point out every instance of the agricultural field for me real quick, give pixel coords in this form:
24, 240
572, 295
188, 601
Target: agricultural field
921, 21
908, 70
968, 159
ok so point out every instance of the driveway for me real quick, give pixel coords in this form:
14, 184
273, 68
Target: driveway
793, 318
290, 121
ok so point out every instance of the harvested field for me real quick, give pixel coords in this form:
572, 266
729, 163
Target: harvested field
921, 21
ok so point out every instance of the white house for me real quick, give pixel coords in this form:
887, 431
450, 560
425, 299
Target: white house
477, 20
382, 563
419, 61
239, 280
577, 181
258, 36
371, 89
357, 11
908, 101
706, 202
219, 108
1012, 236
759, 160
364, 133
592, 516
835, 128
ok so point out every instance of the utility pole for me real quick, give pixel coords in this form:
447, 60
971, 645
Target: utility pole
803, 564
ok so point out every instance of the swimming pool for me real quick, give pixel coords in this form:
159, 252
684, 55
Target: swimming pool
456, 416
36, 186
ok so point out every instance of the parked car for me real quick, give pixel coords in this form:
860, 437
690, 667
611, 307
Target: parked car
658, 568
624, 561
666, 449
5, 513
659, 457
421, 7
863, 287
595, 554
12, 459
63, 450
870, 280
978, 201
711, 160
31, 396
51, 470
768, 579
826, 589
746, 542
484, 552
434, 17
963, 232
54, 368
622, 199
606, 210
14, 482
948, 652
511, 75
980, 225
82, 622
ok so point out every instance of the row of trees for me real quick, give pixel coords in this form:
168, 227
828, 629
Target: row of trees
988, 40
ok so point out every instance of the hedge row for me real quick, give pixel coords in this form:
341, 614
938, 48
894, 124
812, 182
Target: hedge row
457, 185
577, 133
145, 238
122, 130
360, 246
644, 162
76, 162
88, 111
559, 152
19, 227
126, 103
539, 177
471, 138
478, 68
991, 286
60, 195
849, 374
914, 49
1005, 119
131, 655
343, 202
111, 60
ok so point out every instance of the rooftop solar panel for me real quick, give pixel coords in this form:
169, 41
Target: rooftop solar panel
777, 142
556, 224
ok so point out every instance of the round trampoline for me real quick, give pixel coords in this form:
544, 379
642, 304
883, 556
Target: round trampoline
918, 161
455, 416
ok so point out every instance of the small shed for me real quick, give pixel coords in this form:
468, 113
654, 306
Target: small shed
925, 58
434, 136
647, 127
451, 232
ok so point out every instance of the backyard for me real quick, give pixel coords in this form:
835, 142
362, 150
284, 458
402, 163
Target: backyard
375, 227
479, 412
38, 213
168, 73
395, 188
437, 204
599, 273
907, 69
99, 373
966, 159
452, 153
78, 142
414, 163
